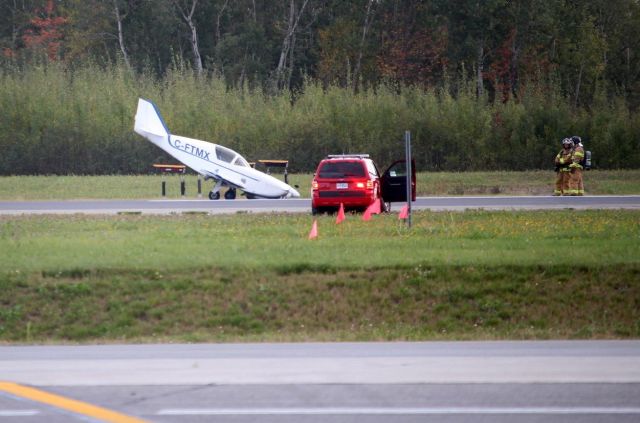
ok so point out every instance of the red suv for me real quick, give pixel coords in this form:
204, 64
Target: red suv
354, 180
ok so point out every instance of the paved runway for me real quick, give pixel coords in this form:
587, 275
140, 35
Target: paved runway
304, 205
343, 382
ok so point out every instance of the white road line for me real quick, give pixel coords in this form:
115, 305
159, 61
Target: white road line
18, 413
399, 411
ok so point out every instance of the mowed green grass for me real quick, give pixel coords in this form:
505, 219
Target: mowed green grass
472, 275
620, 182
49, 243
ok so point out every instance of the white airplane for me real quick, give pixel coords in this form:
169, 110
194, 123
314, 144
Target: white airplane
213, 161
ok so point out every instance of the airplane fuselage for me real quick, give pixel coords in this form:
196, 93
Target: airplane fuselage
219, 162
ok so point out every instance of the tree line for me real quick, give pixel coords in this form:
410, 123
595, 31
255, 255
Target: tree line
503, 44
482, 85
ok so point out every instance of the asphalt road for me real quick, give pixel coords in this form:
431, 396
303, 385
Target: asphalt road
304, 205
555, 381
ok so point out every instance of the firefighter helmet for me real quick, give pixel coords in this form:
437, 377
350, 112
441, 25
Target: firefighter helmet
567, 141
576, 140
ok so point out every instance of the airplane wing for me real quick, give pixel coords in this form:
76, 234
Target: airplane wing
226, 180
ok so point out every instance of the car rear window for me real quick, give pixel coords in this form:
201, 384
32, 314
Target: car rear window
341, 170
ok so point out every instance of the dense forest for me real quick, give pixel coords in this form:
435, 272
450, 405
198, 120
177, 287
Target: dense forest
492, 84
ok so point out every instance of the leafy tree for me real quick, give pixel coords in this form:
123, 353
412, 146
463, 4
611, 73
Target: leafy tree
92, 32
44, 32
472, 32
618, 23
15, 19
414, 45
337, 52
187, 11
581, 53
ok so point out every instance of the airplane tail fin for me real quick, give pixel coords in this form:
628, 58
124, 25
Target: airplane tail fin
149, 122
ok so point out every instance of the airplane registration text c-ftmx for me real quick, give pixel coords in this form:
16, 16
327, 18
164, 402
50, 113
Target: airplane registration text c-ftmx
213, 161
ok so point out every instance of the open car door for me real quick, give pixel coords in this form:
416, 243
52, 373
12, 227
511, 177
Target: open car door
394, 182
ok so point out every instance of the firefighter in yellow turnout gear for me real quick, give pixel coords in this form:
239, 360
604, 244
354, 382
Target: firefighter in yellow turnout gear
563, 161
576, 185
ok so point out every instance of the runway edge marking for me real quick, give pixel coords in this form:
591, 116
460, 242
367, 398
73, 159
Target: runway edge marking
550, 410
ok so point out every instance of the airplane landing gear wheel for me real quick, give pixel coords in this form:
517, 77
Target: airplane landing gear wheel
214, 195
230, 194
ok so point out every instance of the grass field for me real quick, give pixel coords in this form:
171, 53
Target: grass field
429, 183
473, 275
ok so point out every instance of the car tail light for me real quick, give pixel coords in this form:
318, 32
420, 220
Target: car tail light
368, 184
314, 185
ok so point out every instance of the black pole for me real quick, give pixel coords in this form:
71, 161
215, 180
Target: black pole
182, 187
199, 187
164, 188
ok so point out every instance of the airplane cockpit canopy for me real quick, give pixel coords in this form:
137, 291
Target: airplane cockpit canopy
230, 156
225, 154
240, 161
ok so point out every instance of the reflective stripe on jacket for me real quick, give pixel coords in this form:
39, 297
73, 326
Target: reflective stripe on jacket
564, 159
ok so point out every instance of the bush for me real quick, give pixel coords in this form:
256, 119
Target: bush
80, 121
